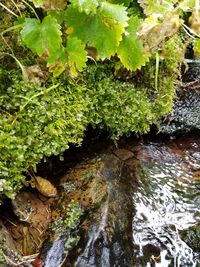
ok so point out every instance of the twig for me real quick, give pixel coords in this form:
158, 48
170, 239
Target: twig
10, 11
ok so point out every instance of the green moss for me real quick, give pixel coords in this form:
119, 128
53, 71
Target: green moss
118, 106
68, 224
38, 121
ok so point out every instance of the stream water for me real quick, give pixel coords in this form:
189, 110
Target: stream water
153, 203
167, 201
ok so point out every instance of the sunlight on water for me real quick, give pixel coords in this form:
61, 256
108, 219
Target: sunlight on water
165, 204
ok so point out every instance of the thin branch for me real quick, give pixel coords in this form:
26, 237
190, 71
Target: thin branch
31, 9
157, 71
34, 96
24, 74
17, 8
6, 8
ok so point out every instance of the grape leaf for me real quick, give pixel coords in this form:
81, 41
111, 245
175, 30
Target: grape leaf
59, 15
76, 54
87, 6
42, 37
102, 31
73, 56
130, 50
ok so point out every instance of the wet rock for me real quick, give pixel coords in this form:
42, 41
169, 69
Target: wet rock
55, 252
185, 115
123, 154
192, 238
108, 236
186, 110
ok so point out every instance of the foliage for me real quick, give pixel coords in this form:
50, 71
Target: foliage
42, 37
103, 31
68, 224
32, 126
111, 27
39, 120
130, 50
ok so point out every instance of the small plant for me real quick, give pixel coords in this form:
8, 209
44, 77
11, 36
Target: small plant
70, 221
88, 175
69, 186
68, 224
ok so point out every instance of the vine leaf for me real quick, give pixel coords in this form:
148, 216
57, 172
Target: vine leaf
87, 6
130, 50
42, 37
76, 54
73, 56
102, 31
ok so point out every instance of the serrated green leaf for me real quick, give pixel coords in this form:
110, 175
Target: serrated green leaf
102, 31
130, 50
59, 15
73, 57
42, 37
76, 54
87, 6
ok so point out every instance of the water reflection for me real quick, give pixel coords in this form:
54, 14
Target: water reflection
167, 201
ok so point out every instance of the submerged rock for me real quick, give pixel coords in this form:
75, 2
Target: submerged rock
108, 240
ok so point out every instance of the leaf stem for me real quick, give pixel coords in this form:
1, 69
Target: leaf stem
31, 9
34, 96
12, 28
24, 74
17, 7
157, 71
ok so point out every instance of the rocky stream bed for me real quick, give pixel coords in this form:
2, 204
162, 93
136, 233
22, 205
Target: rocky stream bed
138, 206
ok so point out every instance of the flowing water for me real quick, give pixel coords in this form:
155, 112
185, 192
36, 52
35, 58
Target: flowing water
152, 205
152, 201
167, 201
